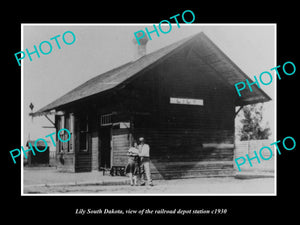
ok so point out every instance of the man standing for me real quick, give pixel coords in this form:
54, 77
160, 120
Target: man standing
144, 153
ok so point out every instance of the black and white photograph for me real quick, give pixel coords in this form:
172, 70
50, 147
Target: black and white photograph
152, 109
128, 112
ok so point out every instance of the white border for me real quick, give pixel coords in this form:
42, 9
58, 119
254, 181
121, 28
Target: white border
275, 112
150, 194
22, 110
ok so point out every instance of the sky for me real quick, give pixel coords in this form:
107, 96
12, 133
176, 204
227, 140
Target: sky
102, 47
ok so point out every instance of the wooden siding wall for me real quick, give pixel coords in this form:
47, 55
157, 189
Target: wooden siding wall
189, 140
83, 162
180, 152
179, 77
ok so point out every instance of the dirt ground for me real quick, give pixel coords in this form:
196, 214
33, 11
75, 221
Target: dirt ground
37, 182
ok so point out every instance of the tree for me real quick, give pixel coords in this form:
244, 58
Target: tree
251, 123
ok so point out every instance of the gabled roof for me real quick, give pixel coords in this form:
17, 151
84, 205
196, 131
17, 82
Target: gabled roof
210, 53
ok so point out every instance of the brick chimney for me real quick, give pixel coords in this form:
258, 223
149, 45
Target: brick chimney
140, 50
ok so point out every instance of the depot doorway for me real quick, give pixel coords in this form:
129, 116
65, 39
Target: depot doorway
105, 147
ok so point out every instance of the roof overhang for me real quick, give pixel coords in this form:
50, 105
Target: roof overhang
208, 52
46, 113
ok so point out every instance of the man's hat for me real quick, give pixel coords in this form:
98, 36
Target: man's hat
141, 139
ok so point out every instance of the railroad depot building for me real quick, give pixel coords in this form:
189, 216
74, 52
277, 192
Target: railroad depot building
180, 98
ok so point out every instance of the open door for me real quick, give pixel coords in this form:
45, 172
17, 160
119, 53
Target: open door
83, 159
105, 146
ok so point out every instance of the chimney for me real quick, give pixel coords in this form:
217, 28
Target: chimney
140, 50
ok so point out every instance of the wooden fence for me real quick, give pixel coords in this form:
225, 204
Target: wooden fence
248, 147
